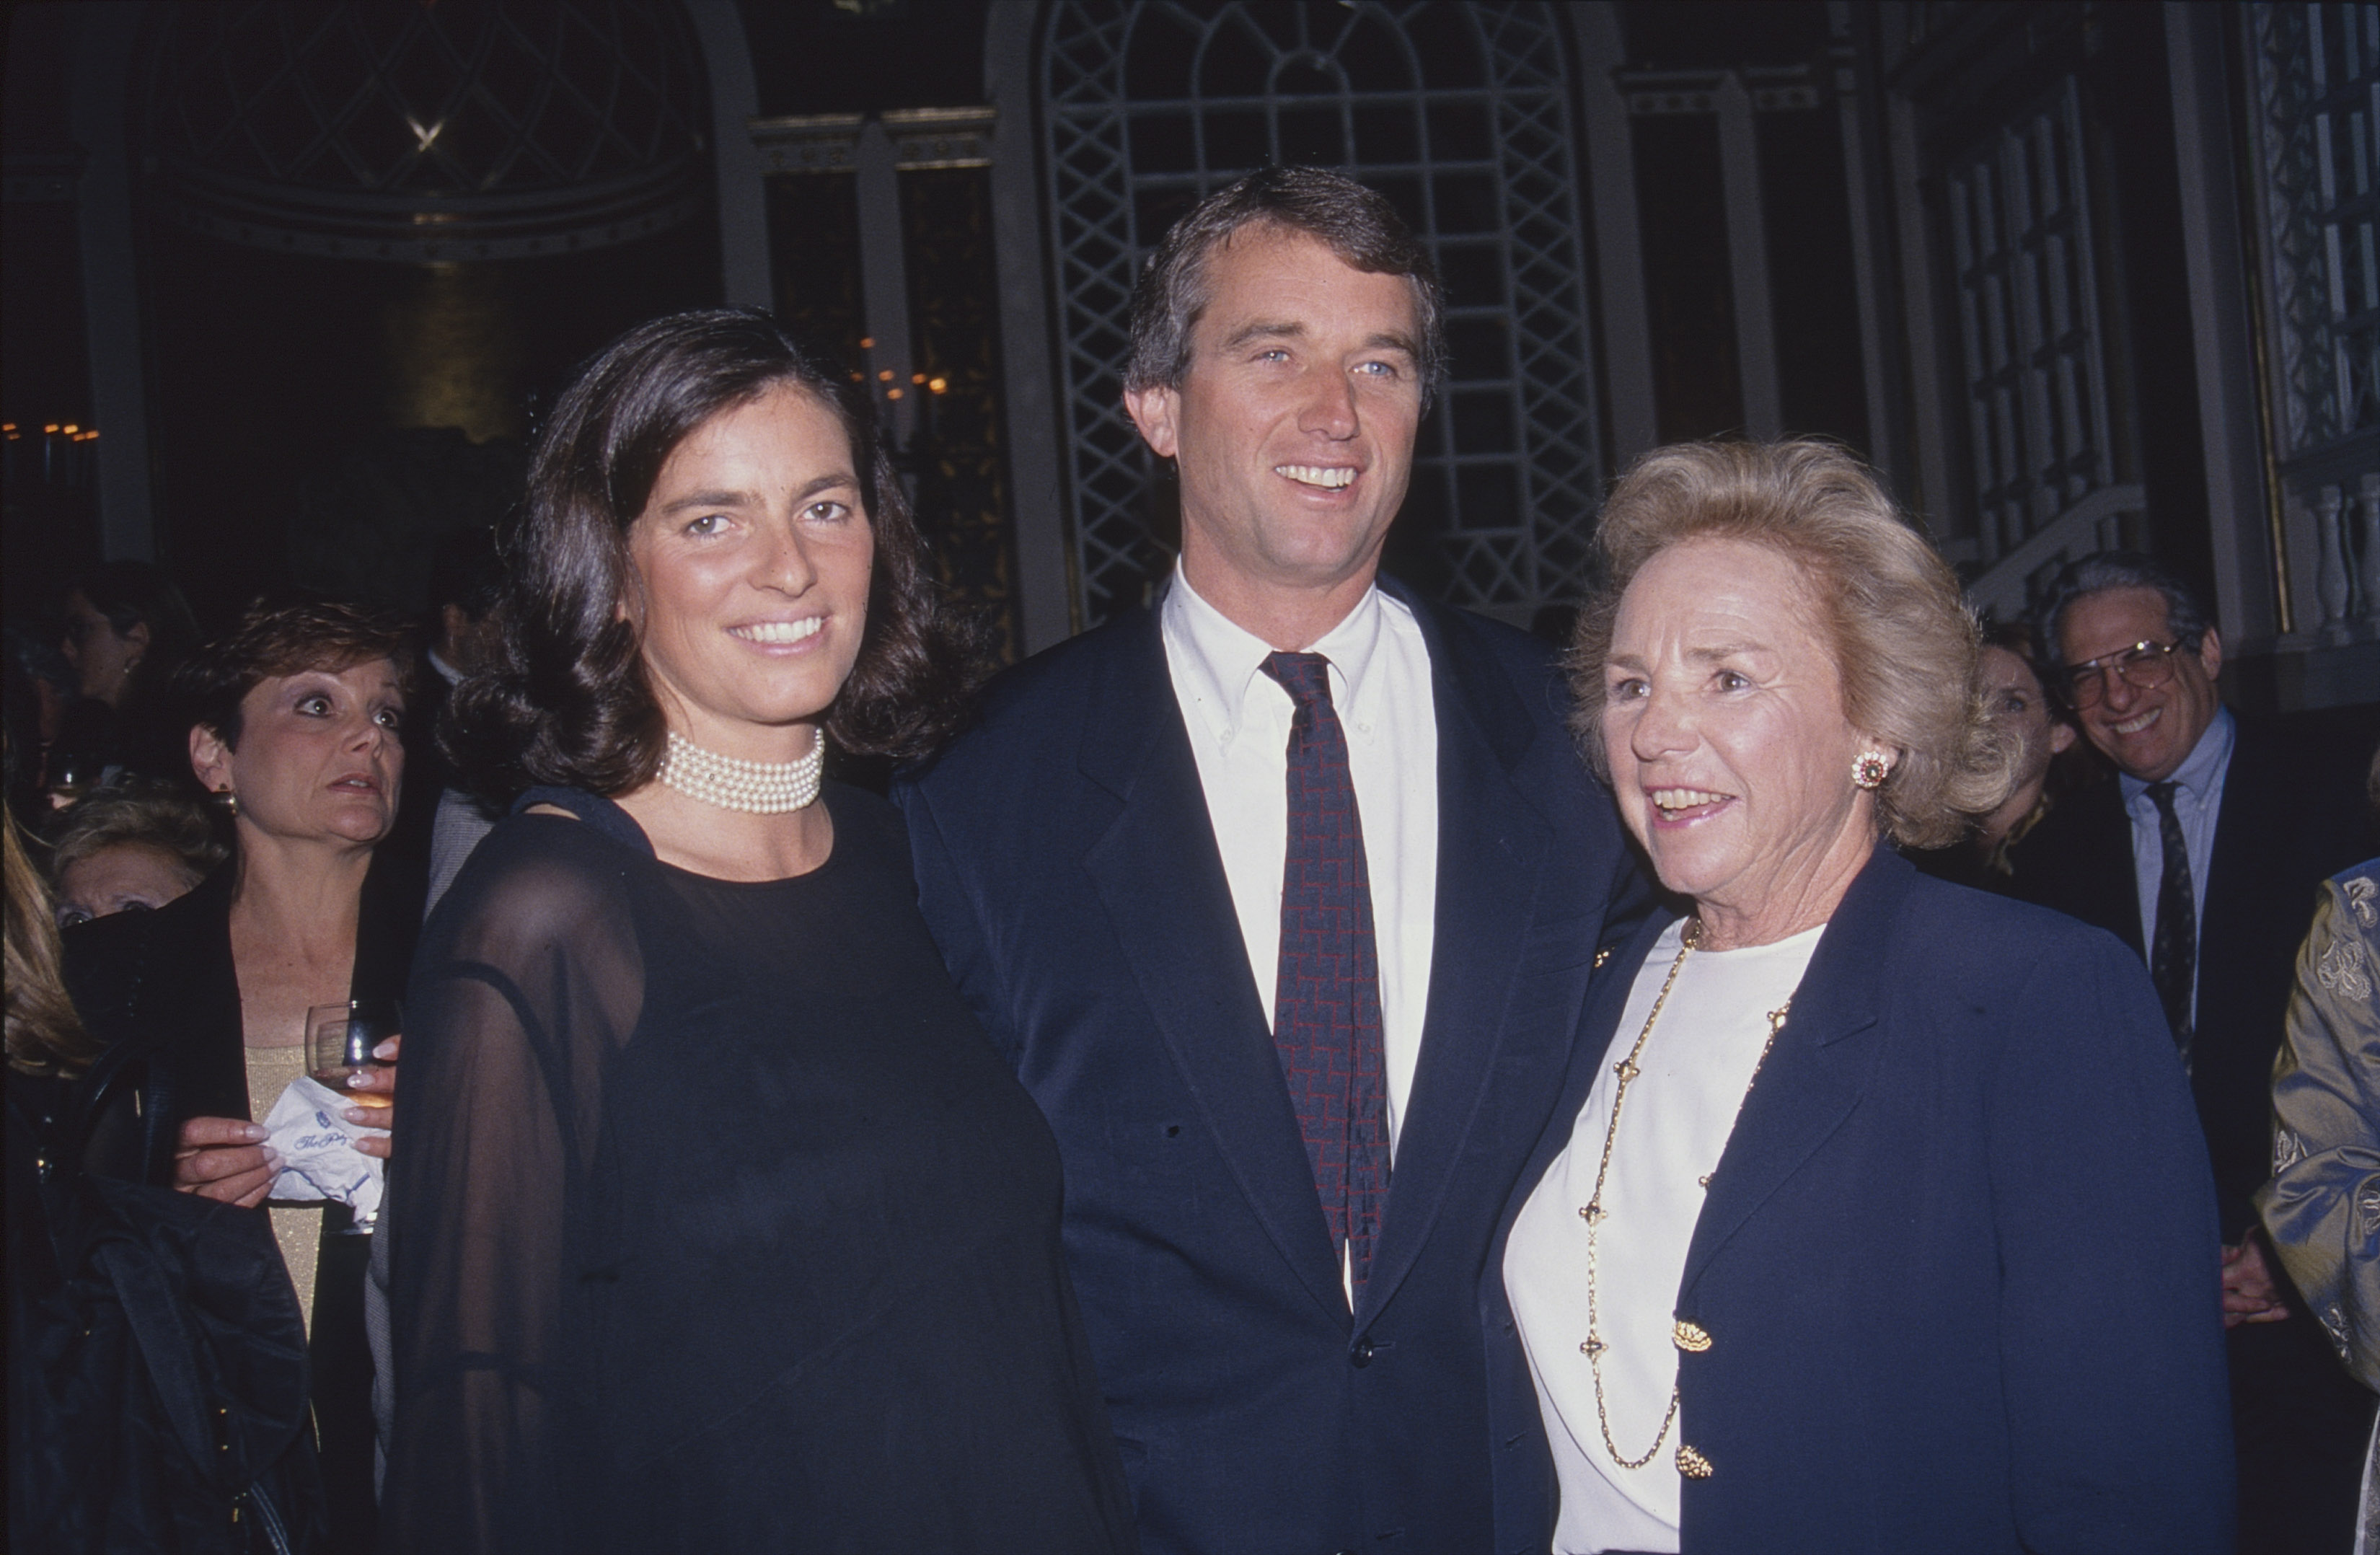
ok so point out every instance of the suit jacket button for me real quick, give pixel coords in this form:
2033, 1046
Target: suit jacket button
1361, 1356
1693, 1464
1693, 1338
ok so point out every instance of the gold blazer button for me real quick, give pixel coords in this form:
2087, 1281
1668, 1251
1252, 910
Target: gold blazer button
1690, 1337
1693, 1464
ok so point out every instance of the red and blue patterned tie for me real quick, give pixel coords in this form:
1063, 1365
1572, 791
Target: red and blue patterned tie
1327, 1005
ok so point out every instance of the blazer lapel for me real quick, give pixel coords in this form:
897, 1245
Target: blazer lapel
1491, 847
1161, 877
1818, 1069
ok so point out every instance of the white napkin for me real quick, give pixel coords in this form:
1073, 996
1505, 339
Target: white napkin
319, 1159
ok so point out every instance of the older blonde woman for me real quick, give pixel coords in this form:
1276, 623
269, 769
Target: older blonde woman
1875, 1217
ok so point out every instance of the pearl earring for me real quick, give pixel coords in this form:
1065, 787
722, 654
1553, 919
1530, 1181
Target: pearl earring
1869, 769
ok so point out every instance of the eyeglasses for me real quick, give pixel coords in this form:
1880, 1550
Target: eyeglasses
2144, 667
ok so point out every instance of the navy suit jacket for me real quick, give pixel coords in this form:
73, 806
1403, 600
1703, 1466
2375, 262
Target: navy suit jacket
1068, 868
1957, 1263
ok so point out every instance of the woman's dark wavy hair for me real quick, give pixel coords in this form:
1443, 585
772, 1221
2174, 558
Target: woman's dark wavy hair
568, 703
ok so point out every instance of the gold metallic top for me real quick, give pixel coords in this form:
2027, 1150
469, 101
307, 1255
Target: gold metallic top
2322, 1209
298, 1227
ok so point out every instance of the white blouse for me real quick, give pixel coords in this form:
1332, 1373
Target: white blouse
1696, 1068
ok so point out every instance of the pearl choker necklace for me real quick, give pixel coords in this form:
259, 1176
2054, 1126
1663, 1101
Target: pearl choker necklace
753, 787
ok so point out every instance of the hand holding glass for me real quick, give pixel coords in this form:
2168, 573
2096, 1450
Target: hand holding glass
340, 1039
339, 1043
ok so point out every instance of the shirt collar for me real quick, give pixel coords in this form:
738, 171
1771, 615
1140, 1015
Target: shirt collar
1221, 662
2201, 768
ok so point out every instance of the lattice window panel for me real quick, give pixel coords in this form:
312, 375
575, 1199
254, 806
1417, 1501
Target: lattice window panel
2031, 351
2316, 122
1461, 113
409, 132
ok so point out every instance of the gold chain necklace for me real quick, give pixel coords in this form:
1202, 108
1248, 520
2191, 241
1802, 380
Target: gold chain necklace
1592, 1211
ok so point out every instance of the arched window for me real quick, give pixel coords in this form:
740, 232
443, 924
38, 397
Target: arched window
1461, 114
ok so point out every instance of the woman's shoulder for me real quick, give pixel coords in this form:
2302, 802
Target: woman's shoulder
102, 954
1948, 925
538, 876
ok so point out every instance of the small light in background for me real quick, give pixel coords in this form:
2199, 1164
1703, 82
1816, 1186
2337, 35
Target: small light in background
939, 385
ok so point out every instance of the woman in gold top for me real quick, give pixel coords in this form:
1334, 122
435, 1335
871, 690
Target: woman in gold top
2322, 1208
294, 722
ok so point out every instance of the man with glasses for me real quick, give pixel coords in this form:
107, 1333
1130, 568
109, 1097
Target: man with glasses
2205, 856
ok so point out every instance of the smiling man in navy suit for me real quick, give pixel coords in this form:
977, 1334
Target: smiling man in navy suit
1282, 896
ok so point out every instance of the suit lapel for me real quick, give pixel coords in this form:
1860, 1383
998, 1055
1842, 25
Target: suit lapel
1818, 1069
1491, 846
2248, 836
1159, 875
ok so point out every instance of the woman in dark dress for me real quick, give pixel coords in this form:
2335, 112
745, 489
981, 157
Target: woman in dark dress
715, 1222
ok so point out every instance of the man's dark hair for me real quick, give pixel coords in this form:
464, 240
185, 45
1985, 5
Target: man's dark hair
567, 701
2103, 570
466, 570
1356, 224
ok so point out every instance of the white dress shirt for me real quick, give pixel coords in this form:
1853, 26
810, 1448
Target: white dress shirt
1238, 718
1696, 1066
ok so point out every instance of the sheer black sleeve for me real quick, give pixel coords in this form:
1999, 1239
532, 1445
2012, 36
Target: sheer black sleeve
529, 981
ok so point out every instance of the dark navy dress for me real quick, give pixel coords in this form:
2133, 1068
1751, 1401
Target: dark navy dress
717, 1224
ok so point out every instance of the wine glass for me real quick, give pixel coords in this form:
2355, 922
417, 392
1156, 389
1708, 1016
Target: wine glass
339, 1043
74, 774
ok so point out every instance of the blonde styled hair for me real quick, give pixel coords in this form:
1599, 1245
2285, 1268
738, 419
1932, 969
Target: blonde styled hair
1904, 641
44, 1035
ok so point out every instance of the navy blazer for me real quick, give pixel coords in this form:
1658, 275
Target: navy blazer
1068, 868
1957, 1263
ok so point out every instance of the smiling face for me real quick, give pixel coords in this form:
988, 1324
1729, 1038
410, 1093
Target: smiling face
2148, 732
1730, 753
319, 758
1294, 425
752, 559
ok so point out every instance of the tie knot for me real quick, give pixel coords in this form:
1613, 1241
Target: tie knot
2161, 796
1305, 676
